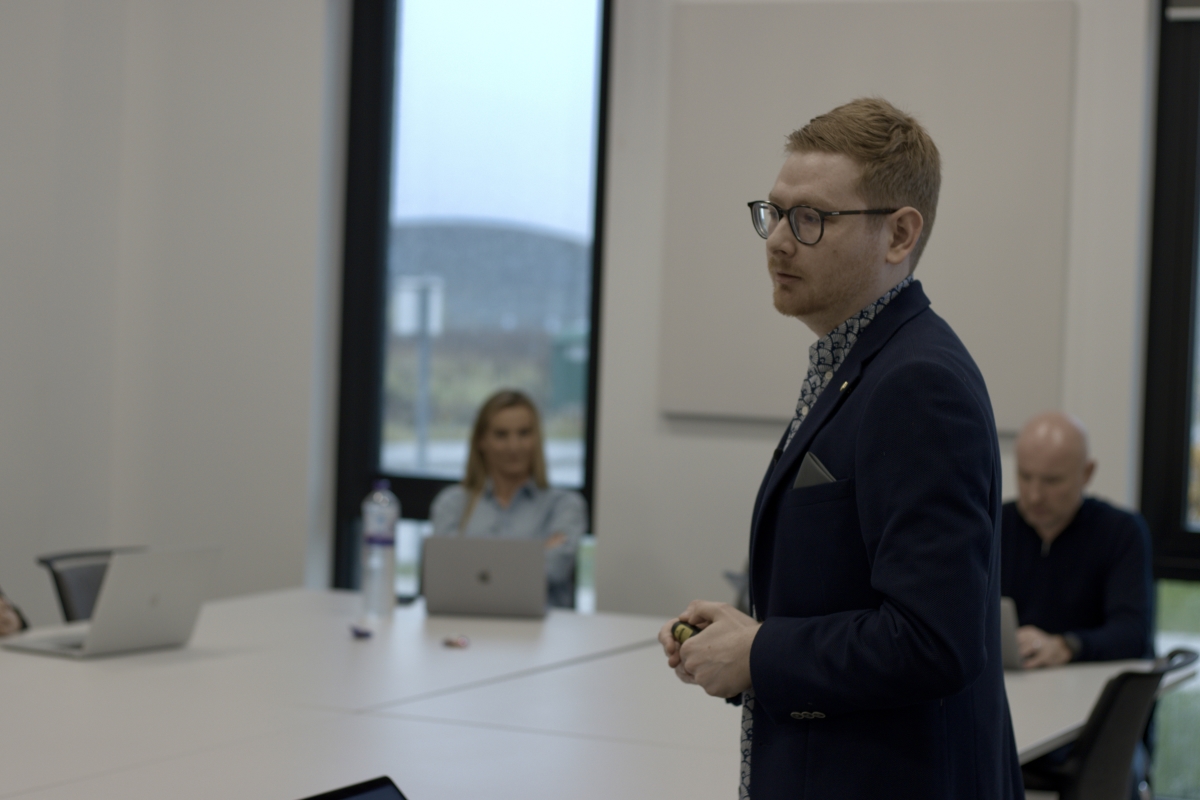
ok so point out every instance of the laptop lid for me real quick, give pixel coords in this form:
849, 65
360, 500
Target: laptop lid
1010, 655
484, 577
376, 789
149, 599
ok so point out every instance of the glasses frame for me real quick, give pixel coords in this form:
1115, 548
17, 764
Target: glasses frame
790, 215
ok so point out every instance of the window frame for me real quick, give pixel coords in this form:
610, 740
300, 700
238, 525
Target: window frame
1171, 307
364, 282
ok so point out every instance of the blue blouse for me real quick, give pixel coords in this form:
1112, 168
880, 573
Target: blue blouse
533, 513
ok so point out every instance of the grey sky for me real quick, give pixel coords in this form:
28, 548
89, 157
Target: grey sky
496, 119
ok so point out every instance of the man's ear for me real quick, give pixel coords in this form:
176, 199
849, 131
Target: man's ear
904, 227
1089, 469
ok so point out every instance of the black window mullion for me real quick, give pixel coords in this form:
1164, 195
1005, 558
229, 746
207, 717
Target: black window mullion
368, 171
593, 372
1171, 323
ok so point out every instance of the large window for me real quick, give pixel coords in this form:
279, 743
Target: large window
492, 224
1171, 429
1171, 446
472, 218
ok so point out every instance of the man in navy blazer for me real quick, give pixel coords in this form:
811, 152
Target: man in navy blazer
871, 665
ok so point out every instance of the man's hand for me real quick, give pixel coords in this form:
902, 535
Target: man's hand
717, 658
1041, 649
671, 648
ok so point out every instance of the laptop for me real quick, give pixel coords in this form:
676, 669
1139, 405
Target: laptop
149, 599
484, 577
376, 789
1010, 655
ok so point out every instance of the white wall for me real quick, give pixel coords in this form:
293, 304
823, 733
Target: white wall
674, 497
166, 178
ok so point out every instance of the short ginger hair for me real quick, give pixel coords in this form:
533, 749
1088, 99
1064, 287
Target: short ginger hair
900, 163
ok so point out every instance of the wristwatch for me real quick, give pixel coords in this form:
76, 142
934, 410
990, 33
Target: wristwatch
1073, 644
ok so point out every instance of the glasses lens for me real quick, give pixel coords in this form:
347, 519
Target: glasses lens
765, 218
806, 224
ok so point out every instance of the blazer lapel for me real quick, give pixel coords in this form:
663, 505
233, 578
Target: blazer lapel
894, 315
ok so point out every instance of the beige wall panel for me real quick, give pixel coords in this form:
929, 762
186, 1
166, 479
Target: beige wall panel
992, 81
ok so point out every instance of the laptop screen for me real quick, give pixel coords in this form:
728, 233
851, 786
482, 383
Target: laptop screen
377, 789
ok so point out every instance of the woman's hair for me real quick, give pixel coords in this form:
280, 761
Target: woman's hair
477, 473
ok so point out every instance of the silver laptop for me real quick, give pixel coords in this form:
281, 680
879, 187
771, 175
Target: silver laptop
149, 599
1010, 655
484, 577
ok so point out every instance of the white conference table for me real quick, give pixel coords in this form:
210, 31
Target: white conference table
274, 699
280, 674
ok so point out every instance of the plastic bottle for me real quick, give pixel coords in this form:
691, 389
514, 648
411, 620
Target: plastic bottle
380, 511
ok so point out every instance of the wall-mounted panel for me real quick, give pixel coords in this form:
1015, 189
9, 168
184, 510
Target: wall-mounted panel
996, 95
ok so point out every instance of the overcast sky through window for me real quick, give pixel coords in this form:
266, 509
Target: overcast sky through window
496, 113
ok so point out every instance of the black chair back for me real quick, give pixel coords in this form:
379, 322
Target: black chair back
1098, 767
78, 576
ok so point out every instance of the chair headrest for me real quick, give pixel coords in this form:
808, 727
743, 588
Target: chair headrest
1176, 659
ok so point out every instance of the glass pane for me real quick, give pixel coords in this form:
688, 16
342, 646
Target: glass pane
490, 248
1193, 488
1177, 720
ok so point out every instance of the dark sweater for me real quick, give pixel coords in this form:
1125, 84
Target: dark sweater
1094, 580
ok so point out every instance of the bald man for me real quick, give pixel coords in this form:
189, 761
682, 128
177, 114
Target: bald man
1078, 568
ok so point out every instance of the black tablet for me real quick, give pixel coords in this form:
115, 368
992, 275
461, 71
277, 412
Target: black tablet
376, 789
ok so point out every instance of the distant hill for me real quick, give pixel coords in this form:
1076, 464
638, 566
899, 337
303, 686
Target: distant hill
498, 278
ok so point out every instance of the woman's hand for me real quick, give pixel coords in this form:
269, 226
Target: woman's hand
556, 540
9, 621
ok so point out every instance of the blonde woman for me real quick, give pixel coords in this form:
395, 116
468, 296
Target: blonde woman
505, 493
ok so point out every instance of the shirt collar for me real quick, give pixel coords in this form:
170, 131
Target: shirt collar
529, 488
831, 349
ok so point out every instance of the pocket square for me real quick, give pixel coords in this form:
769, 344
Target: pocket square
812, 472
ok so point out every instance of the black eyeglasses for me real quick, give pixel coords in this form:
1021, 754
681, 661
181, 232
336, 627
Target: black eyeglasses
807, 223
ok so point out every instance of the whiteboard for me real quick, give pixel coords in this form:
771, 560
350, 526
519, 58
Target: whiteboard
991, 81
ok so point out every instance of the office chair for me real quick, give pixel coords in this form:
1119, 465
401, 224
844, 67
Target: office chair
78, 576
1097, 767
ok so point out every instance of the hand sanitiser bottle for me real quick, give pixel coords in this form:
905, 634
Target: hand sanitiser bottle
380, 511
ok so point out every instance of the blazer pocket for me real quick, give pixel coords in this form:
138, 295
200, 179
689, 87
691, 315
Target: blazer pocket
820, 493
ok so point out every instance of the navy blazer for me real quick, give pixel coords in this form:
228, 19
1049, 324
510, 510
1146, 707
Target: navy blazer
877, 668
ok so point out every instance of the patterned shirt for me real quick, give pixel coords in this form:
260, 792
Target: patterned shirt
826, 354
824, 357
